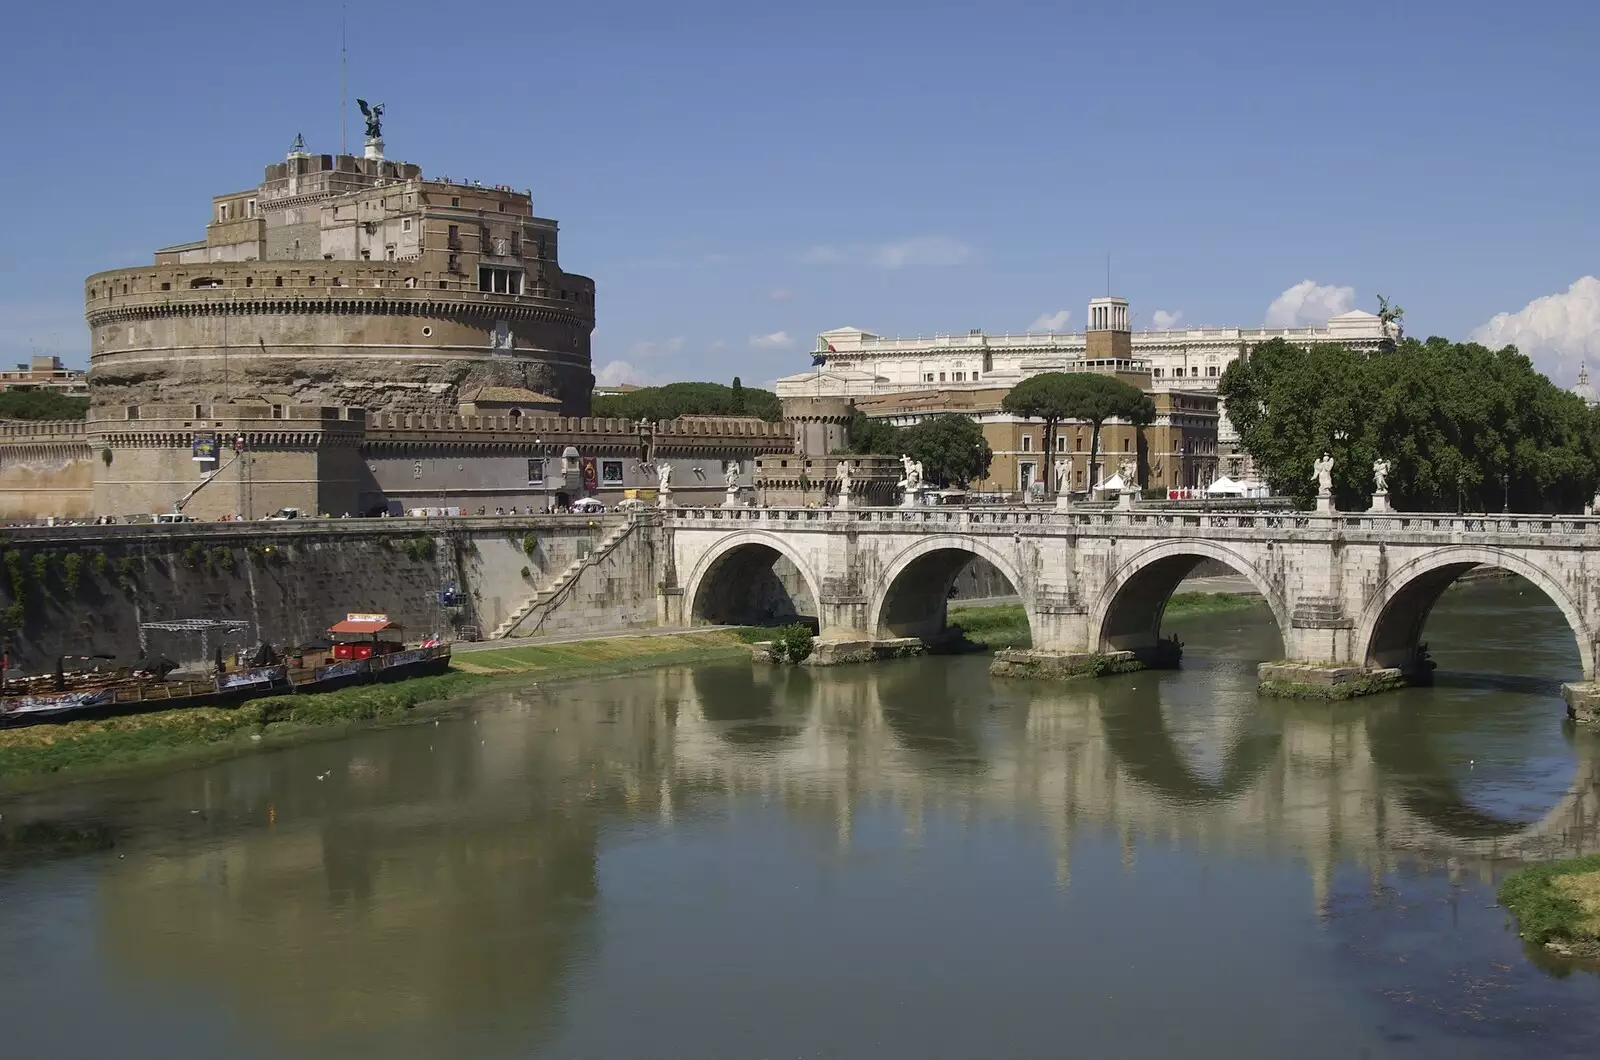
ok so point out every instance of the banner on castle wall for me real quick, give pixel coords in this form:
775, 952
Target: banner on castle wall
204, 449
591, 474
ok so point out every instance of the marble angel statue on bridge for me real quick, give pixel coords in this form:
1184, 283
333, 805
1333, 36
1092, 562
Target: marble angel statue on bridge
1322, 471
912, 482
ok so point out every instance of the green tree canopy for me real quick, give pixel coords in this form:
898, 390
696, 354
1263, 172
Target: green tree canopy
1086, 396
41, 405
1460, 424
689, 399
869, 436
951, 447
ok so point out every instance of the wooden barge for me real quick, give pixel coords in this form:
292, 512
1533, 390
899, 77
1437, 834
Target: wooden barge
365, 648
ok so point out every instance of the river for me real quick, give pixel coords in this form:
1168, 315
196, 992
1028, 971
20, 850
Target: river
902, 860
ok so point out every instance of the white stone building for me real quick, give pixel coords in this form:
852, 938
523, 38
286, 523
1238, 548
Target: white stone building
856, 363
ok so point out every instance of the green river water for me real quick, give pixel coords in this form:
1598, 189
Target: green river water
903, 860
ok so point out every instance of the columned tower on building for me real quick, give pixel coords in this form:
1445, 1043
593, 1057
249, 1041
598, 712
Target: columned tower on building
1108, 335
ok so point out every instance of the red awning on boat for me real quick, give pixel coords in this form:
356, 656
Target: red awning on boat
355, 625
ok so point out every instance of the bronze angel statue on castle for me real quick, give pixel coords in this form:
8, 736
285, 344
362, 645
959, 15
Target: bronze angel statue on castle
374, 115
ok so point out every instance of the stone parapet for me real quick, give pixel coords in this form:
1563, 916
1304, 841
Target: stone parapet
368, 287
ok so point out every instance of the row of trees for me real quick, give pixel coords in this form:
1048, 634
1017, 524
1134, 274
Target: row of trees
41, 405
1464, 427
952, 447
689, 399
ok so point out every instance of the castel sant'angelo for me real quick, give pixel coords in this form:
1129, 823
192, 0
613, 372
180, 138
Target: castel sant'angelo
351, 337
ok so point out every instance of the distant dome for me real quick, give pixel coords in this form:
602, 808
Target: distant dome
1583, 389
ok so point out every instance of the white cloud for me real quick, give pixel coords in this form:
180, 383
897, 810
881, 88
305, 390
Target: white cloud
780, 294
1309, 304
923, 250
618, 372
777, 340
1557, 329
1056, 321
655, 348
899, 254
1162, 320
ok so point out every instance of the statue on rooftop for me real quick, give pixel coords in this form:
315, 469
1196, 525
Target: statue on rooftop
1389, 320
374, 115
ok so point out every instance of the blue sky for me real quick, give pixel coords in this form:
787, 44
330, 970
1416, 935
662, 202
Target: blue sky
739, 176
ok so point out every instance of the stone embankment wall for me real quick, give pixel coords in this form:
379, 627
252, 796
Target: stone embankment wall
85, 590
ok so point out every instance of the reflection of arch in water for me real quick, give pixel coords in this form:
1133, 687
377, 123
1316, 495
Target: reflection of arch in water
1421, 783
932, 717
1127, 615
1390, 628
747, 712
751, 578
916, 585
1136, 732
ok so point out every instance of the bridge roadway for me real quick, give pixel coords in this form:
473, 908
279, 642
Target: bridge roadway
1348, 591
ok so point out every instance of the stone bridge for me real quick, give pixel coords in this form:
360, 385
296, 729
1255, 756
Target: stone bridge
1350, 592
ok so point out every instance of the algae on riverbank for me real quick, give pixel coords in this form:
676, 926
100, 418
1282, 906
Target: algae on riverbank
1557, 905
75, 746
1006, 625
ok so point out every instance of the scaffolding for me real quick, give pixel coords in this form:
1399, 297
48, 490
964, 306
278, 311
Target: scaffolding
203, 626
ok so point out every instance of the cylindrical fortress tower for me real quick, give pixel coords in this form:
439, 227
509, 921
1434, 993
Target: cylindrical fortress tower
344, 281
821, 424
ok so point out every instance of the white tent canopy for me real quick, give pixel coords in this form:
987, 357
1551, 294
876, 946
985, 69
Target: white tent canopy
1225, 487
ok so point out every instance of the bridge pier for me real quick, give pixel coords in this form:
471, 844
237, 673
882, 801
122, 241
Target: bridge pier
1583, 701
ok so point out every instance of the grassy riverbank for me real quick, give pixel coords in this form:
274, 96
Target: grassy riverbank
1006, 626
29, 755
1557, 905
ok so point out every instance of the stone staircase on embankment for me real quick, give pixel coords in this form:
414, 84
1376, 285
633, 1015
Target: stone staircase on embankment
529, 616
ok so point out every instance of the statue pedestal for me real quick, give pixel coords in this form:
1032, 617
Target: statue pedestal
1063, 502
374, 149
1126, 500
1325, 505
1380, 502
731, 499
911, 499
664, 498
843, 501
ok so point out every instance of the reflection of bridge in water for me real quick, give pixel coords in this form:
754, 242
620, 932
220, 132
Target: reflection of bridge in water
423, 843
1328, 785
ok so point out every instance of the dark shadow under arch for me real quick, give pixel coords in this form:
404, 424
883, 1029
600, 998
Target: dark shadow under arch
916, 603
752, 585
1133, 619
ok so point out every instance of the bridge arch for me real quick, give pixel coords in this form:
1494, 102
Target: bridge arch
913, 593
1127, 614
734, 582
1390, 628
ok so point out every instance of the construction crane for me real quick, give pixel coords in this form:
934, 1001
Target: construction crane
238, 451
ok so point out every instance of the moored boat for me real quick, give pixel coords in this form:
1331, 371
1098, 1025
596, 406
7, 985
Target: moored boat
364, 648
